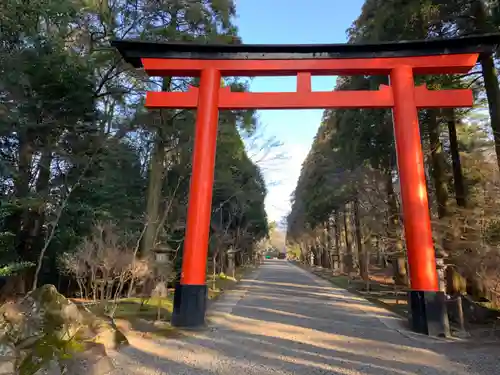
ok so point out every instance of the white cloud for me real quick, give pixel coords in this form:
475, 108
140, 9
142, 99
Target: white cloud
296, 129
281, 175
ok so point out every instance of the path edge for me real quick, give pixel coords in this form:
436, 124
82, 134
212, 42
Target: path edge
395, 323
228, 300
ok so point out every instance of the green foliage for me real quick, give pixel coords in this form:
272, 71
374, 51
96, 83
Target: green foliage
351, 141
14, 268
294, 251
77, 145
353, 159
45, 349
239, 189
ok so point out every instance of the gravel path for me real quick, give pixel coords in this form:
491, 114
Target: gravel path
284, 320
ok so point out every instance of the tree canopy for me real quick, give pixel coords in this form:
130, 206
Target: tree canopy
346, 205
78, 148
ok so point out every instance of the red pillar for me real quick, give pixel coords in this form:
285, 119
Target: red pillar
417, 224
190, 295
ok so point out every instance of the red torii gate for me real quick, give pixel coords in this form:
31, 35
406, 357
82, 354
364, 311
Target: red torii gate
400, 61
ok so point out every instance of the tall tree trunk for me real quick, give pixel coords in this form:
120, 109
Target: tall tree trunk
37, 236
22, 187
303, 252
493, 94
441, 186
362, 259
338, 250
156, 180
326, 246
310, 254
455, 281
490, 74
317, 253
331, 243
381, 252
438, 165
155, 184
18, 222
458, 177
398, 258
348, 258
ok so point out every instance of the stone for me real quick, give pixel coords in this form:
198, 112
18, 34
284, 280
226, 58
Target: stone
160, 290
92, 361
101, 330
8, 356
7, 366
46, 326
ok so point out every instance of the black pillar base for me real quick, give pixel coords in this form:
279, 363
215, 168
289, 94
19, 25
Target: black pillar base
427, 313
190, 303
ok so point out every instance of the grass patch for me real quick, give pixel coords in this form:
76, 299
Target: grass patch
489, 305
224, 282
137, 308
142, 314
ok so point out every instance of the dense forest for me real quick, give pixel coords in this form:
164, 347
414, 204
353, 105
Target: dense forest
91, 183
88, 175
94, 192
346, 206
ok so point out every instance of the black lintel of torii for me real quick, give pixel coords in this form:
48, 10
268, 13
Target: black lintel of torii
133, 50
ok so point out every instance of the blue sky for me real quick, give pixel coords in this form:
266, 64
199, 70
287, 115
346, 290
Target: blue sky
291, 22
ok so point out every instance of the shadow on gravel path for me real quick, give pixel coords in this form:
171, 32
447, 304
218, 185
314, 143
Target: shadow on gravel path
286, 321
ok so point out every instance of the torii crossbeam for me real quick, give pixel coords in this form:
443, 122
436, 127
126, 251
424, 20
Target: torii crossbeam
400, 61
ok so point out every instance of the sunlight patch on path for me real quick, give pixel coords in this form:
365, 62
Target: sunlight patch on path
286, 323
339, 343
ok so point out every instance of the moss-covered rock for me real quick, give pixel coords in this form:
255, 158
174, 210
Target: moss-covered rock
46, 330
101, 330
